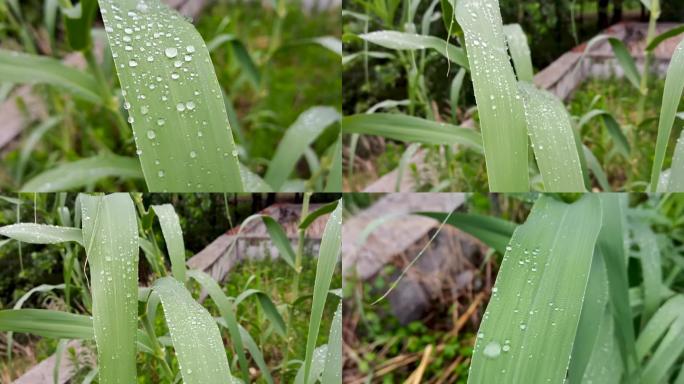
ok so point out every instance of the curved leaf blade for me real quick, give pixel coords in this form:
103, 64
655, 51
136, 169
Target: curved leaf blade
520, 52
41, 233
173, 235
47, 323
411, 41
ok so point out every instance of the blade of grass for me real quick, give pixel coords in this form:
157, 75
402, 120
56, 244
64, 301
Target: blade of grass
311, 217
553, 141
651, 266
674, 85
520, 52
110, 236
47, 323
403, 41
280, 240
613, 127
83, 173
200, 362
18, 67
78, 24
667, 327
332, 371
675, 181
325, 268
411, 129
41, 233
266, 304
173, 97
594, 166
502, 117
604, 365
309, 125
455, 92
173, 235
228, 312
664, 36
528, 329
626, 61
334, 181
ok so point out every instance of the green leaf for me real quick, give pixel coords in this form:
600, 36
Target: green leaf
41, 233
173, 97
455, 92
667, 327
651, 266
228, 312
334, 181
312, 216
674, 85
173, 235
520, 51
47, 323
325, 268
675, 181
241, 54
664, 36
594, 166
267, 306
411, 129
83, 173
256, 354
332, 371
502, 117
280, 240
492, 231
528, 329
402, 41
553, 141
110, 237
309, 125
195, 335
18, 67
30, 143
626, 61
78, 27
614, 130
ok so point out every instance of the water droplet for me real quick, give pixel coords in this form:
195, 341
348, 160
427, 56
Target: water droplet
174, 76
190, 105
144, 109
492, 350
171, 52
235, 152
190, 48
177, 64
193, 154
151, 134
161, 122
180, 107
160, 173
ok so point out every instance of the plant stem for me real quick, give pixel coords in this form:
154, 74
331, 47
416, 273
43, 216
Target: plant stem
158, 351
648, 58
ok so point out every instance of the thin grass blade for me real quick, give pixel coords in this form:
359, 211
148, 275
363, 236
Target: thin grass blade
411, 129
173, 235
502, 117
110, 237
520, 52
173, 98
626, 61
528, 329
280, 240
325, 268
553, 141
674, 85
493, 231
332, 371
195, 335
47, 323
403, 41
84, 173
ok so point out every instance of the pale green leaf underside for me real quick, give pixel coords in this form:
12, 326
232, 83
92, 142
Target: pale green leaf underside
411, 129
174, 98
520, 51
528, 329
173, 235
402, 41
18, 67
308, 126
553, 141
502, 119
674, 85
83, 173
195, 335
110, 237
41, 233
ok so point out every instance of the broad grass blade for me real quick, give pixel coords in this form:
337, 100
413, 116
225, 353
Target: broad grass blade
332, 371
47, 323
83, 173
675, 181
626, 61
200, 362
309, 125
613, 127
173, 235
528, 329
666, 328
325, 268
520, 52
604, 365
664, 36
41, 233
110, 237
502, 117
312, 216
492, 231
674, 85
280, 240
553, 141
651, 266
173, 99
403, 41
228, 312
411, 129
78, 26
18, 67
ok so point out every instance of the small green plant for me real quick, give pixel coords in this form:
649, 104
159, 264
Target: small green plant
124, 315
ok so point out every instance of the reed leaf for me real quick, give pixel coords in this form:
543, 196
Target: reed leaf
173, 235
520, 52
502, 117
110, 237
173, 98
332, 371
402, 41
47, 323
528, 329
188, 322
41, 233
